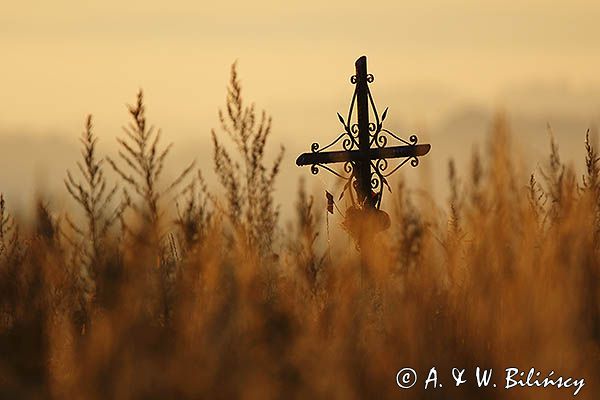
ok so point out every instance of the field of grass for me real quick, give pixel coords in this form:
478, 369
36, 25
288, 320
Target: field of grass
173, 290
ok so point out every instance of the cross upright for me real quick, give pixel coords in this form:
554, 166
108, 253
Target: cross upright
365, 155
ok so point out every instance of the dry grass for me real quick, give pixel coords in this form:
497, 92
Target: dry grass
215, 303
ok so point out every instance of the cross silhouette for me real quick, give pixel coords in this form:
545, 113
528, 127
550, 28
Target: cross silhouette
365, 155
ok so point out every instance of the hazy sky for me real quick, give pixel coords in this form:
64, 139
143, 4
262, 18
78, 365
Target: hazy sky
62, 59
439, 65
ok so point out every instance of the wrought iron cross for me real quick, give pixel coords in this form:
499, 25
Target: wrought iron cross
365, 152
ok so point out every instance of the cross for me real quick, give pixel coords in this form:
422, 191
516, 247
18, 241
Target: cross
365, 155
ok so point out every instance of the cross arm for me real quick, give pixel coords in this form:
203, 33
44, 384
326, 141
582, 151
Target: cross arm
357, 155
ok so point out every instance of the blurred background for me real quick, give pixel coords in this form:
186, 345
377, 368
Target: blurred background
445, 69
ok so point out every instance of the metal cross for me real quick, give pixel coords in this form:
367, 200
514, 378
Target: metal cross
365, 155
